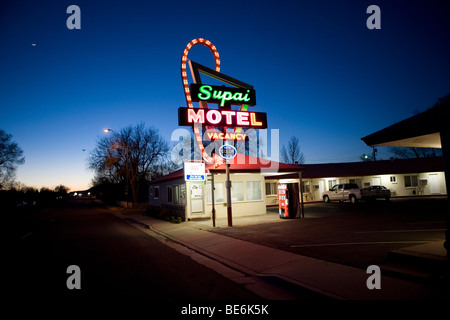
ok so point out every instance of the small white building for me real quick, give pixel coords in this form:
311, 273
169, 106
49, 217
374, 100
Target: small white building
171, 195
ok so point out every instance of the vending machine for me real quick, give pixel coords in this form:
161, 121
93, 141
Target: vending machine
288, 200
282, 200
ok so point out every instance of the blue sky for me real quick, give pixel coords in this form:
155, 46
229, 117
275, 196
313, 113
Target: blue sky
319, 73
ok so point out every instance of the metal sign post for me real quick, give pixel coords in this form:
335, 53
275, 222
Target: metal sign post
228, 152
212, 198
228, 186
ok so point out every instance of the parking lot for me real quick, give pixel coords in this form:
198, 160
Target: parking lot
358, 234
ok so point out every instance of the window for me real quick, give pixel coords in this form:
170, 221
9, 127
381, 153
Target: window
306, 187
237, 191
219, 192
183, 194
169, 194
156, 192
331, 183
271, 188
253, 190
393, 179
176, 194
358, 182
411, 181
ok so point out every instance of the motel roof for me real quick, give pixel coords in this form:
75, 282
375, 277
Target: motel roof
244, 163
421, 130
278, 170
369, 168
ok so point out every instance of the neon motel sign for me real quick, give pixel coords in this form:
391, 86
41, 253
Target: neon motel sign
240, 93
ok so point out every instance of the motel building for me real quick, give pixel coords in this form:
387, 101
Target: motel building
258, 183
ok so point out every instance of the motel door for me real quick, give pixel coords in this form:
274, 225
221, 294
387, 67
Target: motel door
434, 184
196, 198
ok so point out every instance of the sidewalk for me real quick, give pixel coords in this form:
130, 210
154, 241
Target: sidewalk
330, 279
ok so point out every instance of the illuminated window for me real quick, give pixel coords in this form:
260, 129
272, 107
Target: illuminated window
271, 188
331, 183
219, 192
237, 191
253, 190
306, 187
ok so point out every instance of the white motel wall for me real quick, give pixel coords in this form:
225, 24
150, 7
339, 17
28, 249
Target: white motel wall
252, 192
401, 185
193, 200
405, 178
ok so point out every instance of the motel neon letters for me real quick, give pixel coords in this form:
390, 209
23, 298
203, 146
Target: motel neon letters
221, 118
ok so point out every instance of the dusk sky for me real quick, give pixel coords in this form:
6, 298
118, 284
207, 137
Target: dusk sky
319, 73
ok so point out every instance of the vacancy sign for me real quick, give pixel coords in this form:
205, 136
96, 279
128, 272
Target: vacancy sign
194, 171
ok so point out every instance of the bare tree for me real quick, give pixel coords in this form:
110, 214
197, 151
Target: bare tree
132, 156
11, 156
415, 152
292, 154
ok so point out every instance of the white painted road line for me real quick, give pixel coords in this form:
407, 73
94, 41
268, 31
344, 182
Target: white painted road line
394, 231
354, 243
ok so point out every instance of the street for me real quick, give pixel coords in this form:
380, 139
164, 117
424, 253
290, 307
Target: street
115, 260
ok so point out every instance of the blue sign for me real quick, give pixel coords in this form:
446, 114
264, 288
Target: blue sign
227, 151
195, 177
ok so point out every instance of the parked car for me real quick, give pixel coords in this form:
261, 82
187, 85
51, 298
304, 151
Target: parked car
343, 192
374, 192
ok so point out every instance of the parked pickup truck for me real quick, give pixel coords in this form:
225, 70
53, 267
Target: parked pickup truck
343, 192
351, 192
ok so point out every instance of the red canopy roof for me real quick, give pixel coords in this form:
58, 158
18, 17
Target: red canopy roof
246, 163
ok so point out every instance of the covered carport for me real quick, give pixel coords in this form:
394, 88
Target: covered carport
429, 129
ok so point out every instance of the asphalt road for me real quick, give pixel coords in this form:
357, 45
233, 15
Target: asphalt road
116, 260
358, 234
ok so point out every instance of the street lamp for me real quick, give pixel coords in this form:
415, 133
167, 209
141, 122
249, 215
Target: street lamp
126, 161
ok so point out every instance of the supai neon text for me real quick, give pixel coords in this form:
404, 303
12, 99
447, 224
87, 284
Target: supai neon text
222, 95
206, 92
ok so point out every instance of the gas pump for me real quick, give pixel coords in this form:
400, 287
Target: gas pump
288, 200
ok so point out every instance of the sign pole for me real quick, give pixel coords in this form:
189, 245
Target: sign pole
212, 198
228, 185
